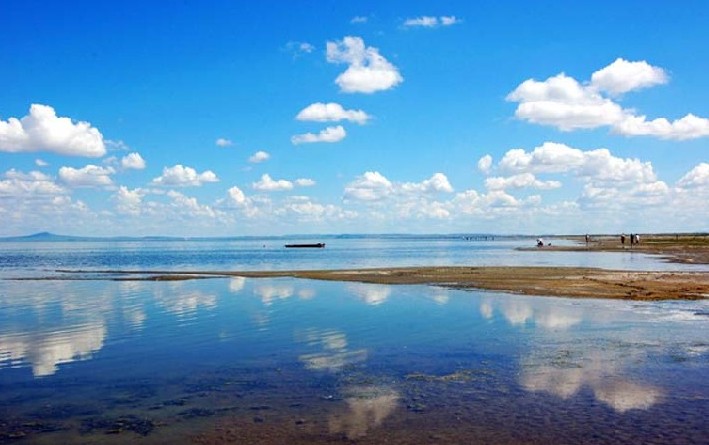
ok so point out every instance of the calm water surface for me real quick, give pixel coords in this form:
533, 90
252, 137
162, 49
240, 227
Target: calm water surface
297, 361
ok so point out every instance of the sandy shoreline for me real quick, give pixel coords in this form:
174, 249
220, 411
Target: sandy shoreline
573, 282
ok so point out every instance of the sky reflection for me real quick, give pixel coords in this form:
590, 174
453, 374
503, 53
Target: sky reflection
362, 339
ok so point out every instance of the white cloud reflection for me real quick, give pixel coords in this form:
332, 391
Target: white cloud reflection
45, 350
332, 353
372, 294
568, 378
367, 408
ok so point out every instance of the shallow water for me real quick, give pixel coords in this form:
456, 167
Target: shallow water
297, 361
23, 259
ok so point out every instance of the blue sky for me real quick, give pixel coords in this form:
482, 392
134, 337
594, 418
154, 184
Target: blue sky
258, 118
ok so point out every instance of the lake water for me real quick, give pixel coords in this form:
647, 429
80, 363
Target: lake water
234, 360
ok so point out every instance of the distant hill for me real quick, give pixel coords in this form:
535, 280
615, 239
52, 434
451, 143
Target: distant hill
53, 237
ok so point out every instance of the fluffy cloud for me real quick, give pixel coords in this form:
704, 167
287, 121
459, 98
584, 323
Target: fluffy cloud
189, 206
696, 178
524, 180
133, 161
563, 102
373, 186
304, 182
622, 76
597, 164
237, 196
367, 70
431, 22
182, 176
485, 164
436, 183
89, 176
359, 19
42, 130
331, 112
223, 142
330, 134
259, 156
129, 202
688, 127
267, 184
31, 184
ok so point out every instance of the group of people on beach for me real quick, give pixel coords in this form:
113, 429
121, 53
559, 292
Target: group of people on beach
634, 239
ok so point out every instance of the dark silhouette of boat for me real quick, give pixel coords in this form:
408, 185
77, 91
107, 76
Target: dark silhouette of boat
311, 245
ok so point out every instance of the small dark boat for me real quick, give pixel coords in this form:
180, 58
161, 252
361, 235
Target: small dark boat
313, 245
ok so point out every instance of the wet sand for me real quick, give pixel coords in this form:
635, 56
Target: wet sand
541, 281
676, 248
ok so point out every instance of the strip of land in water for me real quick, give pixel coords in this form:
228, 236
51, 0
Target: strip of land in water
675, 248
543, 281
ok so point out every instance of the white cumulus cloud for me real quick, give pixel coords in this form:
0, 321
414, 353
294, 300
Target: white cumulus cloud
329, 134
304, 182
523, 180
181, 176
622, 76
88, 176
128, 201
373, 186
133, 161
268, 184
331, 112
485, 164
367, 71
42, 130
19, 184
697, 177
223, 142
565, 103
259, 156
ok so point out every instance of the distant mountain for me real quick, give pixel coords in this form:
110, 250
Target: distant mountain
41, 236
53, 237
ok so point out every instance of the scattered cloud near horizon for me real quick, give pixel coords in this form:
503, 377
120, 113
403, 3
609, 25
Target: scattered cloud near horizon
181, 176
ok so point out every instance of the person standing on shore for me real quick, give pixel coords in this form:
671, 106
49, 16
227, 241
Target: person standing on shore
622, 239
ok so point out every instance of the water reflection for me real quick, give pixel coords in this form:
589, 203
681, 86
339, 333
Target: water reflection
271, 292
600, 372
43, 351
391, 356
332, 352
367, 407
563, 363
372, 294
178, 299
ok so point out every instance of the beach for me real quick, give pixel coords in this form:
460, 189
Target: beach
573, 282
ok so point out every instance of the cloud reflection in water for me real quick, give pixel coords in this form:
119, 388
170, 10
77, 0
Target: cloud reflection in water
333, 354
367, 408
45, 350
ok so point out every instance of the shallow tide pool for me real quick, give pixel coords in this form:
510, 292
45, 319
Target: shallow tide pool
297, 361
